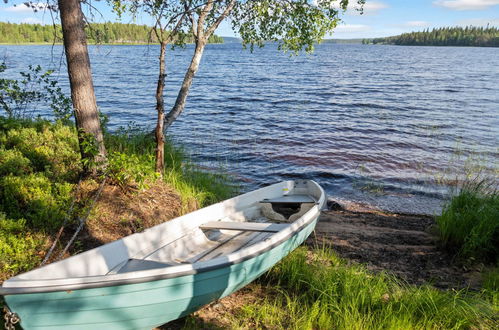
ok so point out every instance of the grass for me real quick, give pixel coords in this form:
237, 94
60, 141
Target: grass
39, 170
196, 187
317, 290
469, 224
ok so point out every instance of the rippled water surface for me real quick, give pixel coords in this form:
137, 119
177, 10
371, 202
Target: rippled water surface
375, 124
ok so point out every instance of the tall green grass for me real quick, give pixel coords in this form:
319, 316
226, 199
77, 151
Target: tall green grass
317, 290
469, 224
196, 187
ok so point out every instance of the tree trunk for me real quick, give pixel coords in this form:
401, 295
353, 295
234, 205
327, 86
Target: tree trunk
186, 84
160, 107
80, 80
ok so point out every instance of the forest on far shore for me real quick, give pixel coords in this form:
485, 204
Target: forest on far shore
448, 36
97, 33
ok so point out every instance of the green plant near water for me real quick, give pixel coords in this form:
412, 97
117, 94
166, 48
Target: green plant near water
132, 158
18, 97
469, 224
317, 290
39, 163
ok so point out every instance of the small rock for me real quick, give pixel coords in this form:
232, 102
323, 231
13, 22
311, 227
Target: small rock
334, 206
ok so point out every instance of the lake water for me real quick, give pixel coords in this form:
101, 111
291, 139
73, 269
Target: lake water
372, 124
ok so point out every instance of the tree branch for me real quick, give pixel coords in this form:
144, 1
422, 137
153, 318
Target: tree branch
220, 18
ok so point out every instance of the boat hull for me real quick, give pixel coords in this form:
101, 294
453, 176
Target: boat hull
148, 304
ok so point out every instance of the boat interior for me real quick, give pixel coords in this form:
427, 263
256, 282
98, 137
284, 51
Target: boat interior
230, 234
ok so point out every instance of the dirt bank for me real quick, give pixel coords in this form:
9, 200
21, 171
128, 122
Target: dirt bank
399, 244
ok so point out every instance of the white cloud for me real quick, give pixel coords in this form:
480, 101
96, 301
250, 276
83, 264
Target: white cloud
417, 23
352, 28
374, 6
371, 7
479, 22
466, 4
22, 8
19, 9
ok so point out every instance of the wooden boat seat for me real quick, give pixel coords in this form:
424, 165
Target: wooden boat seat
244, 226
290, 199
278, 209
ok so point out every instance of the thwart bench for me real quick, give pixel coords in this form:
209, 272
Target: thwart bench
301, 202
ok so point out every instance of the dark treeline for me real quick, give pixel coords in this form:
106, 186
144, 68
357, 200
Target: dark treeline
105, 33
448, 36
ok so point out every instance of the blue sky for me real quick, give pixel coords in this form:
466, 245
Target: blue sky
380, 18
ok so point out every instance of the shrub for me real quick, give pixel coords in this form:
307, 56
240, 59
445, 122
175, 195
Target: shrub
35, 198
19, 247
13, 162
469, 224
19, 98
52, 149
127, 170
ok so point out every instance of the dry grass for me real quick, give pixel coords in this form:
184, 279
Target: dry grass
120, 213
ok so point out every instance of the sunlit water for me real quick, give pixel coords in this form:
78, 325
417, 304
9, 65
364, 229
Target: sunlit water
373, 124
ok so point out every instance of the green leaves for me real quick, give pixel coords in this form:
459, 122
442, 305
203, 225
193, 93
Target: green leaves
19, 98
294, 25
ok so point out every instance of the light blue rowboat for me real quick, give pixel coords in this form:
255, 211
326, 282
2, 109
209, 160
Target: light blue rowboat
168, 271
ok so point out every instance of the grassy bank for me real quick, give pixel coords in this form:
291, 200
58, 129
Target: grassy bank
314, 289
39, 173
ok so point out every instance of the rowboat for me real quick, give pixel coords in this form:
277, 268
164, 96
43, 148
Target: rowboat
170, 270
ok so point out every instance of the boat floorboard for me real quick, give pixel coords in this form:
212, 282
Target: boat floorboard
236, 244
223, 236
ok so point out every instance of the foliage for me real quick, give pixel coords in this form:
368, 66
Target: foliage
491, 286
131, 150
317, 290
45, 147
19, 96
294, 25
128, 170
38, 163
469, 223
19, 247
446, 36
98, 33
36, 198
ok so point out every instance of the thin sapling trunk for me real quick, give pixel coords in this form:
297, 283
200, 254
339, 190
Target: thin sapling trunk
160, 108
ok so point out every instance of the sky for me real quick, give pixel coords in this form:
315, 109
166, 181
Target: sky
381, 18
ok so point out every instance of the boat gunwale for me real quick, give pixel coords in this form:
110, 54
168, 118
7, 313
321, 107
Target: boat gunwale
23, 286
